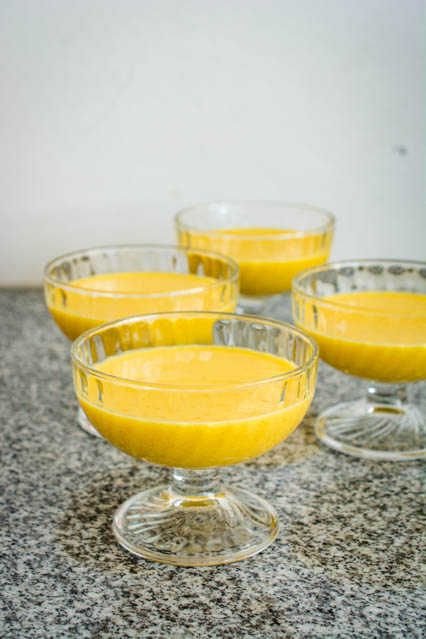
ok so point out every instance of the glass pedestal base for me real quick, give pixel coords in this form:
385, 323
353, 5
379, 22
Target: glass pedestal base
251, 305
164, 524
276, 306
85, 425
377, 431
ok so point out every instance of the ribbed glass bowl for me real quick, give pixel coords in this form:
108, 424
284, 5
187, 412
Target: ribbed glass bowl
382, 340
270, 241
194, 427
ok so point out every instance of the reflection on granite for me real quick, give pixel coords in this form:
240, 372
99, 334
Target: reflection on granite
347, 562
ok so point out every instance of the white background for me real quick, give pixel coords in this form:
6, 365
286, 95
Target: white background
116, 113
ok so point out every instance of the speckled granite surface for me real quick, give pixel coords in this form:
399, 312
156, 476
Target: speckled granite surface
347, 563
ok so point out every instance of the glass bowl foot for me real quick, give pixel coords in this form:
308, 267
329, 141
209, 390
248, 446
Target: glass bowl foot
202, 530
374, 431
279, 307
85, 425
251, 305
276, 306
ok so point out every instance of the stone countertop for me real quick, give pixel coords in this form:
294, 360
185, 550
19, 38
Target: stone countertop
347, 562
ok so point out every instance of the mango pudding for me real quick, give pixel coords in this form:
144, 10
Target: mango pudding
369, 320
169, 279
353, 341
193, 392
228, 425
271, 242
268, 258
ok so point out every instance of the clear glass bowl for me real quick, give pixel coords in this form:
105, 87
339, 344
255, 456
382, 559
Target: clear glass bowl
270, 241
194, 428
77, 306
382, 338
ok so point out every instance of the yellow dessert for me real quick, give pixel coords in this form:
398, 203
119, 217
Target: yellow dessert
378, 335
88, 302
268, 260
193, 406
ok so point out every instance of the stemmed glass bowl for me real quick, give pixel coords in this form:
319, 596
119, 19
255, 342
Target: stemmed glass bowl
270, 241
369, 320
79, 300
194, 425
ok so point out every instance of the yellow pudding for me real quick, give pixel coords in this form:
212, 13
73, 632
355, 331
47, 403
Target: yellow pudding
268, 260
88, 302
195, 406
378, 335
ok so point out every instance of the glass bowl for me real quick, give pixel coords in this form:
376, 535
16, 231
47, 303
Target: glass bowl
270, 241
189, 391
369, 320
92, 286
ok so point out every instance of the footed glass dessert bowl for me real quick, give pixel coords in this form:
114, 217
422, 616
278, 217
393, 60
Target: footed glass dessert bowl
270, 241
369, 320
86, 288
194, 392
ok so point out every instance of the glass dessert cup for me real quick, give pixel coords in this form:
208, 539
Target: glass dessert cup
201, 280
270, 241
369, 320
196, 426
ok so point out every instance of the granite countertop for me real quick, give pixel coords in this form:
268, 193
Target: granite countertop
347, 562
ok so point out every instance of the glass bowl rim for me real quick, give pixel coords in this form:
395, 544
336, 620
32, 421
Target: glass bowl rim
233, 277
78, 362
328, 226
297, 289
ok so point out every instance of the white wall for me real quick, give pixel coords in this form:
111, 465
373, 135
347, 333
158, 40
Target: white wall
114, 114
